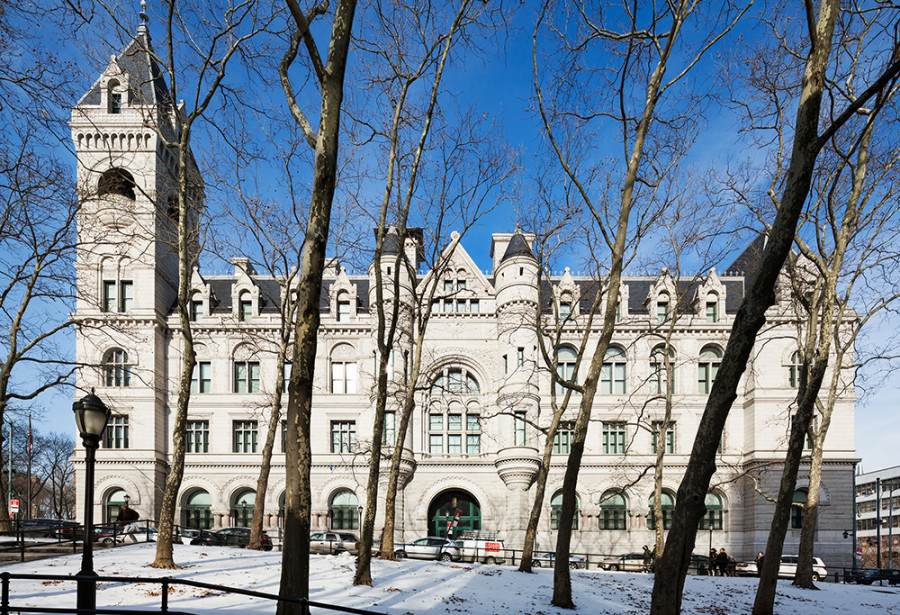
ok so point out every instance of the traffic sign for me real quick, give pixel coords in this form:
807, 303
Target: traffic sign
14, 506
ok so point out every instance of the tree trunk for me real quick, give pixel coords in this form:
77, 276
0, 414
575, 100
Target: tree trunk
690, 504
295, 557
803, 578
262, 482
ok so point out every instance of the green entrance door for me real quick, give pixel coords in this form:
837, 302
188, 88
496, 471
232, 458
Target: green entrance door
443, 511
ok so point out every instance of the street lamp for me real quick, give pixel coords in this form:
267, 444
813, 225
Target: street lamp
244, 513
359, 512
91, 416
127, 499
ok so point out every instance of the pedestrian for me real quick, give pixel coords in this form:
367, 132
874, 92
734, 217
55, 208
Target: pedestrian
712, 562
128, 520
722, 562
648, 559
759, 562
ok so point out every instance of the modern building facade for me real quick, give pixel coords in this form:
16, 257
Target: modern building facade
475, 438
878, 518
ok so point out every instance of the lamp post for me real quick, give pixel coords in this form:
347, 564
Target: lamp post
359, 512
244, 513
127, 499
91, 416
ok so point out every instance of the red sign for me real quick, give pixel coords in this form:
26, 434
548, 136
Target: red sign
14, 506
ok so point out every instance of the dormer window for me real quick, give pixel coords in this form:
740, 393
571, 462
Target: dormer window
662, 308
196, 308
113, 98
565, 310
245, 307
712, 311
343, 308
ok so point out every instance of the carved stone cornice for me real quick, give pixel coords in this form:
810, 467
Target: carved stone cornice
518, 467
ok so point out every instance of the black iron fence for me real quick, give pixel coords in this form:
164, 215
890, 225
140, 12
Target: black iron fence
7, 606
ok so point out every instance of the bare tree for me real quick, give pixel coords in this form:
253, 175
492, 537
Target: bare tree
409, 56
329, 76
807, 143
644, 46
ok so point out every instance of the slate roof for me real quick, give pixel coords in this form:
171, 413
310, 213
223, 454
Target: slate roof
518, 246
146, 77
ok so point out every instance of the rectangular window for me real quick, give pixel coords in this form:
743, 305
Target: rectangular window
283, 436
126, 295
436, 444
343, 436
460, 285
454, 444
613, 438
246, 377
115, 102
473, 444
197, 437
245, 436
712, 311
435, 306
196, 311
505, 364
474, 306
461, 306
343, 377
117, 432
565, 311
343, 311
448, 306
109, 296
706, 376
612, 379
286, 376
245, 310
519, 427
201, 378
473, 423
520, 357
448, 286
618, 311
670, 437
562, 440
454, 422
436, 422
390, 428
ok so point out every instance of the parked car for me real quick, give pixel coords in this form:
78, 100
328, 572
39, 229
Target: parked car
631, 562
333, 543
229, 537
547, 561
482, 550
50, 528
867, 577
787, 570
430, 547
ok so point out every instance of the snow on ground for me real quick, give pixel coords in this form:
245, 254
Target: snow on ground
416, 587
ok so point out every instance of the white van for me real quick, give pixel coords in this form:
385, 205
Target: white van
480, 547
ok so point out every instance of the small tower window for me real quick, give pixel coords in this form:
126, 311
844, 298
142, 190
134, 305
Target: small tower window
113, 98
116, 181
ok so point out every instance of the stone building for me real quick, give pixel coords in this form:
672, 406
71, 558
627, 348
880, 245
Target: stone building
474, 442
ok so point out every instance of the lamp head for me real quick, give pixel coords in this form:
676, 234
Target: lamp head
91, 417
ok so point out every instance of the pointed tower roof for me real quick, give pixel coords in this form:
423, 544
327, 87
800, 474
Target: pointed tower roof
747, 261
138, 62
518, 246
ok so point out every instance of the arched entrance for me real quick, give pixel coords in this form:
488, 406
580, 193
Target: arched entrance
443, 511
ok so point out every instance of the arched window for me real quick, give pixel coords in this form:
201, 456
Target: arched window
242, 507
197, 510
712, 308
565, 367
113, 97
798, 507
343, 369
344, 511
115, 368
659, 374
667, 505
343, 307
707, 368
794, 370
662, 307
556, 508
455, 381
712, 519
114, 500
613, 372
116, 181
612, 511
245, 307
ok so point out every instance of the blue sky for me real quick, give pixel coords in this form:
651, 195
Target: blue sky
499, 85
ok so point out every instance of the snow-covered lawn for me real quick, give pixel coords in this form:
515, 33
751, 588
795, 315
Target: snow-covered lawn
411, 587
